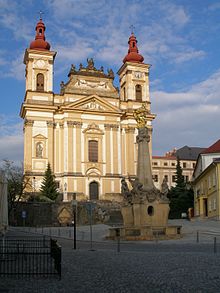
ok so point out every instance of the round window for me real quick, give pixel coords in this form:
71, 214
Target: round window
150, 211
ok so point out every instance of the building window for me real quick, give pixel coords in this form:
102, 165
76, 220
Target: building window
166, 178
124, 90
93, 151
165, 164
40, 82
173, 164
184, 165
214, 180
57, 184
173, 178
155, 178
214, 204
194, 164
155, 164
138, 93
186, 178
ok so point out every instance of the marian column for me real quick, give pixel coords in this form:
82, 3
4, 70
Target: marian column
144, 172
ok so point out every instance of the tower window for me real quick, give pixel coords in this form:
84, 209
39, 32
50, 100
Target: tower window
93, 151
138, 93
40, 82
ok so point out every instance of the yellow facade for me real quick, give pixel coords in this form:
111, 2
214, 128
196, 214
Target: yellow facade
207, 192
58, 128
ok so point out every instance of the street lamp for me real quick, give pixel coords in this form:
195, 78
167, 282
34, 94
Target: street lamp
74, 207
34, 187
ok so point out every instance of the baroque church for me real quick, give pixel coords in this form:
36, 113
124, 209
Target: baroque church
87, 132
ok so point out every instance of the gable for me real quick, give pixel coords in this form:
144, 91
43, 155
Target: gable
92, 103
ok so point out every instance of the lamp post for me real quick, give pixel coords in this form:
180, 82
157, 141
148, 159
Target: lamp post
34, 187
74, 207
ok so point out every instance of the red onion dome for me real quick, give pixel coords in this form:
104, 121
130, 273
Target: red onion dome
133, 55
40, 43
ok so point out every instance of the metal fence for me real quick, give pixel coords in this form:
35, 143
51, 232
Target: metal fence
30, 256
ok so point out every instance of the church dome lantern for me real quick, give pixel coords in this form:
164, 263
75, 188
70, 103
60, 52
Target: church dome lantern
40, 42
133, 55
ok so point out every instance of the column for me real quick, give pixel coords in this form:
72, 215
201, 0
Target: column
28, 125
70, 146
50, 145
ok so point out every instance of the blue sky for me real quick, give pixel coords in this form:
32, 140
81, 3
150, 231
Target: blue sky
180, 39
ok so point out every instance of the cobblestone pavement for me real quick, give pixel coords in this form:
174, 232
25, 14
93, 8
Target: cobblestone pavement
164, 266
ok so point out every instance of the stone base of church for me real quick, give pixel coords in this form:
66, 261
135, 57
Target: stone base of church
135, 233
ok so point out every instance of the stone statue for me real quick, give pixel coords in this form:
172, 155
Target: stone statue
102, 69
62, 85
90, 63
39, 150
80, 66
164, 189
111, 73
140, 116
73, 68
125, 190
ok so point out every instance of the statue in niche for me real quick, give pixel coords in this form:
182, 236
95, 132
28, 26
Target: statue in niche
90, 63
39, 150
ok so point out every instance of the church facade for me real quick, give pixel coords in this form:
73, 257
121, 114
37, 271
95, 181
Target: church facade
87, 132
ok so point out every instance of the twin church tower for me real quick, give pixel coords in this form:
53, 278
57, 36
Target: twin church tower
87, 132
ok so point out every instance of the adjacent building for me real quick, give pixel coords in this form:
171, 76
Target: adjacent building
165, 166
206, 182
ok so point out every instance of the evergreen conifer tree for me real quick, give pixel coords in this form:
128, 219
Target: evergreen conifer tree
48, 187
181, 197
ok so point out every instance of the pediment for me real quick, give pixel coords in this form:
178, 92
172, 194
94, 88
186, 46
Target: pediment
39, 136
93, 103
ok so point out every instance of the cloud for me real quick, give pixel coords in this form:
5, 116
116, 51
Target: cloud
187, 117
11, 138
11, 18
214, 6
16, 69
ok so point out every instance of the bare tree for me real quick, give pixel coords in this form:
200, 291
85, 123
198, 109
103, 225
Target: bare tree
17, 183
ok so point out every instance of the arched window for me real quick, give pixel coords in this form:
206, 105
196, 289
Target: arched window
138, 93
93, 191
93, 151
40, 82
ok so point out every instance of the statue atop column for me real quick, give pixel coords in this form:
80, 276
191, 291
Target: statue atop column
143, 188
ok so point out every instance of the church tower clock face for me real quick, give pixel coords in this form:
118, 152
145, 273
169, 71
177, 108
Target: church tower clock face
40, 63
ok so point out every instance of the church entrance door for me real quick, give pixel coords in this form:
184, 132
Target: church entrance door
93, 191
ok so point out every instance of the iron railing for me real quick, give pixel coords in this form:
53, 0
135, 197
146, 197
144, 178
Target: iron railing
30, 256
